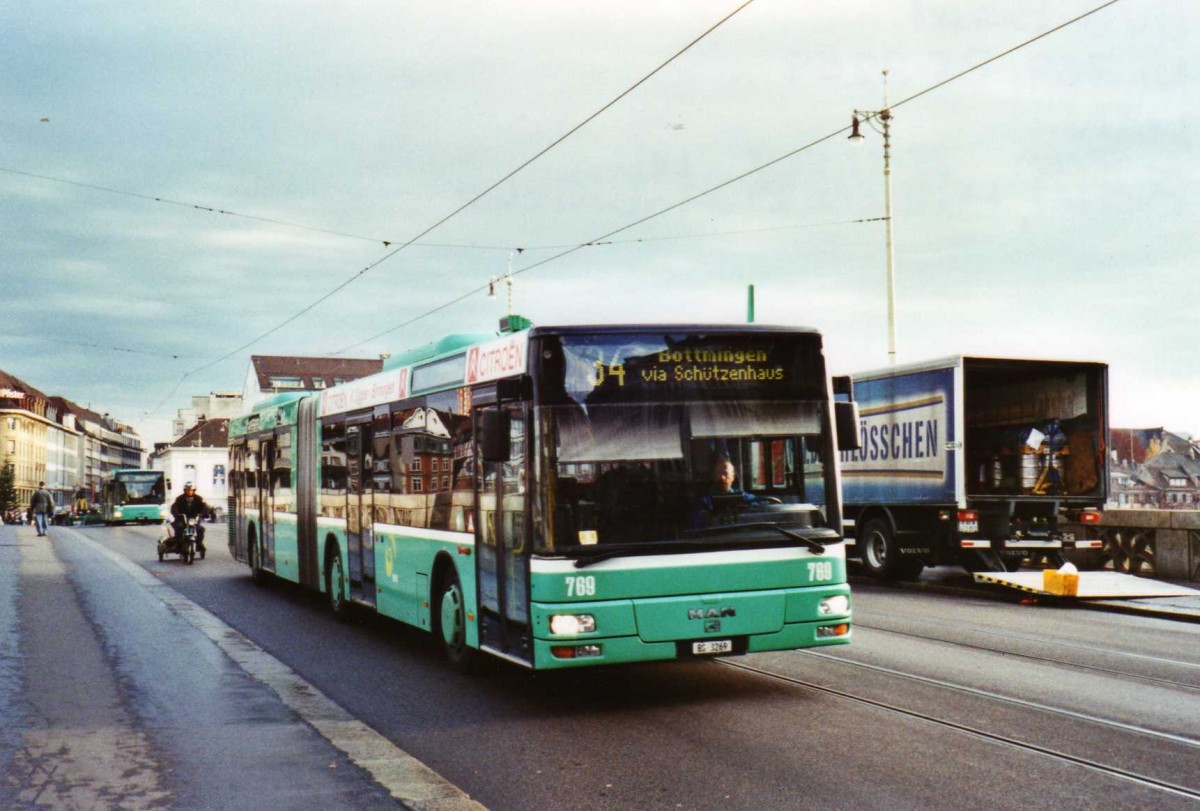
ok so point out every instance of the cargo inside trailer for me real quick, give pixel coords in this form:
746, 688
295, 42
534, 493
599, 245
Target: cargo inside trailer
1034, 428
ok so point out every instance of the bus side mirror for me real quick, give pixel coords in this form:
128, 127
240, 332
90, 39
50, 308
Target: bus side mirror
846, 418
494, 435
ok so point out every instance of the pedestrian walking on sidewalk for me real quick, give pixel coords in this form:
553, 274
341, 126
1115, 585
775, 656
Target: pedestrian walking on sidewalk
41, 504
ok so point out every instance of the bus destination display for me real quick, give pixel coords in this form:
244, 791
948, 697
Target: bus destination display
673, 366
625, 368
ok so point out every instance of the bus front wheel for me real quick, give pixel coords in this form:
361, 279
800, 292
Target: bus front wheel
451, 617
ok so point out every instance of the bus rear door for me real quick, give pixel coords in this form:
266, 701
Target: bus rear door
266, 503
360, 541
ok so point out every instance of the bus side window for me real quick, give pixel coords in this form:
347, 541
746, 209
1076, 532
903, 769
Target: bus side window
333, 470
282, 471
252, 469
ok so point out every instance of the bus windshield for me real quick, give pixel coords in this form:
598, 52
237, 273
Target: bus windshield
677, 442
140, 488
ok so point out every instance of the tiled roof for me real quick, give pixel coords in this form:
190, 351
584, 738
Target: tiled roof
80, 412
1172, 461
326, 369
206, 434
15, 383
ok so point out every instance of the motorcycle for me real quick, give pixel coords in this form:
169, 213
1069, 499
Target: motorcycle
183, 543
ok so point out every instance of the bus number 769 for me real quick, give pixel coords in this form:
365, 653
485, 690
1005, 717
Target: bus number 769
581, 587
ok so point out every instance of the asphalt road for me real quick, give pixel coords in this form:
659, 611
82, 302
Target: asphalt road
941, 701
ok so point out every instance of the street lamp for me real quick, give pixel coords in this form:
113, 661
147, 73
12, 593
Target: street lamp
884, 117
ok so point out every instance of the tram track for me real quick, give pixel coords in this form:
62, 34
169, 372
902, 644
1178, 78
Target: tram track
1124, 674
978, 732
1058, 643
1020, 702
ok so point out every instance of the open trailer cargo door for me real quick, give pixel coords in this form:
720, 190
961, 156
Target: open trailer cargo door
1036, 430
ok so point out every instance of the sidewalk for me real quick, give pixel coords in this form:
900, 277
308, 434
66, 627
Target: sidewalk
118, 691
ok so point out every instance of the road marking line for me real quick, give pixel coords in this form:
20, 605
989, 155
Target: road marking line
407, 779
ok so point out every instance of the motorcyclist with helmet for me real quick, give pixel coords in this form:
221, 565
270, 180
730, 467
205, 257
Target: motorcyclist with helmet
190, 505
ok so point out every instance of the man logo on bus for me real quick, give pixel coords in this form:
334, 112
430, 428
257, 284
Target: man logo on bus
711, 613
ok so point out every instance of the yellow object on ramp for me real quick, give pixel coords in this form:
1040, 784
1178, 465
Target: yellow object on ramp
1092, 585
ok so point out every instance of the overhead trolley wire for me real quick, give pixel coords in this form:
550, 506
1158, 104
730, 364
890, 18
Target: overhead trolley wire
388, 242
636, 240
469, 203
106, 347
196, 206
738, 178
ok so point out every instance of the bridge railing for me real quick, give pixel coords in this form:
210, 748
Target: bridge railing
1157, 543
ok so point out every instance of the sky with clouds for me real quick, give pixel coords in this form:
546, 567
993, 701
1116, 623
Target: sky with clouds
179, 178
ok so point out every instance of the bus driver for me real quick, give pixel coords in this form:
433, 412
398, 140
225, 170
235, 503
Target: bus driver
724, 477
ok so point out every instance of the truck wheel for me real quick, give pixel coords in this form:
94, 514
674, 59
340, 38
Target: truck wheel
880, 555
984, 560
1012, 563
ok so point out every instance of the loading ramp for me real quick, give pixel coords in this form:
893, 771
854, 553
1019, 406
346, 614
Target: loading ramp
1092, 585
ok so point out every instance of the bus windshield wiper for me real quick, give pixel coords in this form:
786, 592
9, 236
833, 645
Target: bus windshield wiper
605, 554
813, 545
651, 548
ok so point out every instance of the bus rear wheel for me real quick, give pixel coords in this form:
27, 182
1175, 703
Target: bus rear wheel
450, 614
254, 558
335, 587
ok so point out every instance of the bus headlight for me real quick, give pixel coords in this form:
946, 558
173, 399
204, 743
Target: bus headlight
116, 513
835, 604
572, 624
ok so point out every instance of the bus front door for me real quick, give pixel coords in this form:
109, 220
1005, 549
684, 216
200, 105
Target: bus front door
360, 541
503, 548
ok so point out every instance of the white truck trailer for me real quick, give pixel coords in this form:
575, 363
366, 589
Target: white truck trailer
975, 461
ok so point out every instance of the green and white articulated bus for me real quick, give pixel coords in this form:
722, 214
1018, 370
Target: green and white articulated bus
544, 495
130, 496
